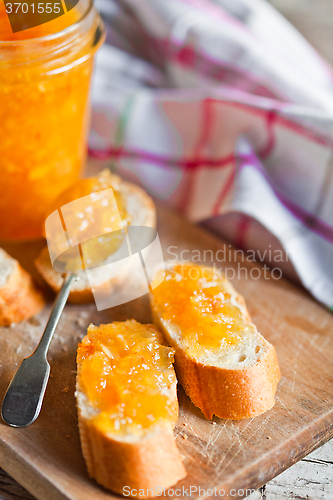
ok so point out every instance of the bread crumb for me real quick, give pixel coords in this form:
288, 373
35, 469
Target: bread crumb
19, 349
268, 437
57, 337
68, 436
213, 423
184, 436
81, 322
65, 390
34, 321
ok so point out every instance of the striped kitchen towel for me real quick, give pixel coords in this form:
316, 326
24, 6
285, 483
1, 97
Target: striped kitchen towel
222, 109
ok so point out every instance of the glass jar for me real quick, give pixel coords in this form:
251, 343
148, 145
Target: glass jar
44, 116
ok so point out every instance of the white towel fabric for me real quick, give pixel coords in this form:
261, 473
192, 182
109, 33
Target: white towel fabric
222, 109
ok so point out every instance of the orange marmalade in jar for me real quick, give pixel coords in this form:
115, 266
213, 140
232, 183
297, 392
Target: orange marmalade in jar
45, 74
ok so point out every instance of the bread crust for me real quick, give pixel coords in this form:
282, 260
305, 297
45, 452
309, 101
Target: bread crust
142, 465
55, 279
227, 393
79, 295
19, 297
138, 463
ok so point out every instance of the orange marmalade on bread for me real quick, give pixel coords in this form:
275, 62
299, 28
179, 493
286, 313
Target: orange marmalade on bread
96, 212
126, 375
45, 75
83, 187
196, 298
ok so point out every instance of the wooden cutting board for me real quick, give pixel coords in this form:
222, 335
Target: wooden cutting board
228, 455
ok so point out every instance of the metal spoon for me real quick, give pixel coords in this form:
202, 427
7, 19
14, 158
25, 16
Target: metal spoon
23, 399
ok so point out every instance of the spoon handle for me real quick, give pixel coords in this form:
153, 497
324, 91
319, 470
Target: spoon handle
55, 314
24, 396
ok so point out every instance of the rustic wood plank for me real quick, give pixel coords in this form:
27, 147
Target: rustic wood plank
11, 490
46, 456
315, 21
311, 478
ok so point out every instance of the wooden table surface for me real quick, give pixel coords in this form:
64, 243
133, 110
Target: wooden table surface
312, 477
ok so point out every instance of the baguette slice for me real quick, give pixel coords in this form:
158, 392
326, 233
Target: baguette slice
141, 210
19, 298
224, 365
126, 428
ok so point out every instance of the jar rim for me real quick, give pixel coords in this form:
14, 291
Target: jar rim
52, 36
